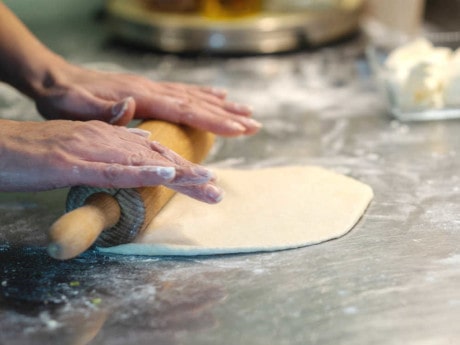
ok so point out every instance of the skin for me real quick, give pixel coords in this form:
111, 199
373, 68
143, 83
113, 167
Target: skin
84, 143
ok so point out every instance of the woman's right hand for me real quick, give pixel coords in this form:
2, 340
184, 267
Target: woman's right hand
38, 156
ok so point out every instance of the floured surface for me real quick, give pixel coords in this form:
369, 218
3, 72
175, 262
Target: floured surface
263, 210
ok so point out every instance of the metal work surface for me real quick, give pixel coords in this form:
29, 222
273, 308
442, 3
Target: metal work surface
394, 279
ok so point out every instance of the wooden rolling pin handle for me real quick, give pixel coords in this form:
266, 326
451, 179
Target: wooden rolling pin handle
76, 231
131, 218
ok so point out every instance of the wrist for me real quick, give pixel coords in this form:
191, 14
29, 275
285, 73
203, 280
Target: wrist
35, 76
25, 62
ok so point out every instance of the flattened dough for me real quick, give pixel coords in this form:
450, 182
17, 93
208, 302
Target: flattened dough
263, 210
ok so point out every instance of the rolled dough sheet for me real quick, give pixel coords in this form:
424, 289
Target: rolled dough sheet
263, 210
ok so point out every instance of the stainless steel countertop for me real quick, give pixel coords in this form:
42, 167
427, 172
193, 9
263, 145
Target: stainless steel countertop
394, 279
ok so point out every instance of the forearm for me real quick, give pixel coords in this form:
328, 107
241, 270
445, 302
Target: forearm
25, 62
62, 90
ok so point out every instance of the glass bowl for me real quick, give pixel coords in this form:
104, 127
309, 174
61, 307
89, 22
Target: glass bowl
391, 89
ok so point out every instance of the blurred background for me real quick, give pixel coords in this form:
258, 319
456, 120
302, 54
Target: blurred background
243, 26
35, 13
142, 21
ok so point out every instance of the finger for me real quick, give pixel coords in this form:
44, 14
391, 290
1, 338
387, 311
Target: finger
81, 105
214, 113
202, 116
186, 172
201, 94
221, 93
142, 152
192, 175
173, 156
218, 121
237, 108
209, 192
122, 112
138, 131
119, 176
179, 89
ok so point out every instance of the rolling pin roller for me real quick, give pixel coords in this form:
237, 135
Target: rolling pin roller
107, 216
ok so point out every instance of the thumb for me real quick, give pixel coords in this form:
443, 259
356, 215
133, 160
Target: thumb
85, 106
122, 112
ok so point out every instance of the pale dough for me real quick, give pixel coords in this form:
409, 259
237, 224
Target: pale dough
263, 210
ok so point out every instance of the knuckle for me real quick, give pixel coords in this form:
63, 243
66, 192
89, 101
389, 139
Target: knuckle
185, 102
84, 130
79, 135
111, 175
157, 147
136, 159
59, 157
186, 109
188, 117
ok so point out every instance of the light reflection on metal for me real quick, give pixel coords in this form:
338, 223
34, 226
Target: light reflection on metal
262, 33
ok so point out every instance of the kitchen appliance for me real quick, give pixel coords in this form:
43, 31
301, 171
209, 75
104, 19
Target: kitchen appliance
266, 31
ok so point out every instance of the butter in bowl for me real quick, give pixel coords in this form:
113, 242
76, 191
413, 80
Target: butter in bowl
419, 80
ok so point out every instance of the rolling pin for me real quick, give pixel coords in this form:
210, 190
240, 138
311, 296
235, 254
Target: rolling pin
109, 216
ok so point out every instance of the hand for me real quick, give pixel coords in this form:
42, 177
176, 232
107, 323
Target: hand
54, 154
77, 93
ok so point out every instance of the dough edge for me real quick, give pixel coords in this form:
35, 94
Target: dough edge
141, 249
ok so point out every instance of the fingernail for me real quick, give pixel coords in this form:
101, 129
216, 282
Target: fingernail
236, 126
168, 173
139, 131
119, 109
213, 176
251, 122
218, 92
215, 193
240, 108
203, 172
